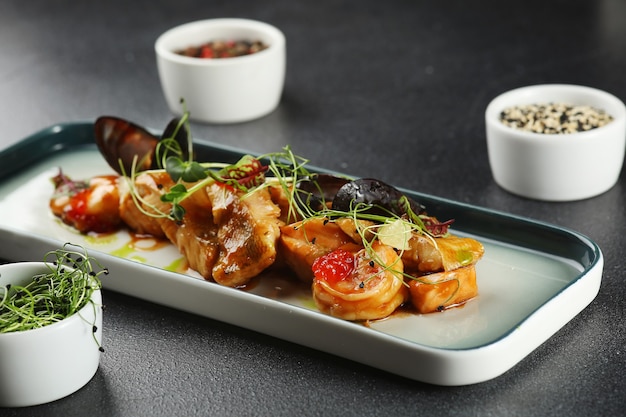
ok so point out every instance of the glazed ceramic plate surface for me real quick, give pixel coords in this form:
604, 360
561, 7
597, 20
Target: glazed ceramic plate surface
533, 279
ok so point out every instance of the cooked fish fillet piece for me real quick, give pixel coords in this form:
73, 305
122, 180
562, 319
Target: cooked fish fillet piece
248, 229
147, 188
223, 236
436, 292
195, 236
281, 198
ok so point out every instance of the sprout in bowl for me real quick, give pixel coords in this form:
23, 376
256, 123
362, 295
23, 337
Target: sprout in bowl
50, 327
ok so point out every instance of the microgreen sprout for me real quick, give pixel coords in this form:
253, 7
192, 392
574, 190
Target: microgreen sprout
169, 147
52, 296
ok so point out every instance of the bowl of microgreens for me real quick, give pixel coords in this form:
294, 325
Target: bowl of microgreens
50, 326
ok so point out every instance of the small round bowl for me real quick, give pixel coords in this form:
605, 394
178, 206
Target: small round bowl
45, 364
556, 167
222, 90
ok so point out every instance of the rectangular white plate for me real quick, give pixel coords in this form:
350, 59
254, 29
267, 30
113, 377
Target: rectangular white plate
533, 279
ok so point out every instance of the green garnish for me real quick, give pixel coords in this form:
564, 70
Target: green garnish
53, 296
188, 171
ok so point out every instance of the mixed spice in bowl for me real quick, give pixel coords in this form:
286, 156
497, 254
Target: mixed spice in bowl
556, 142
217, 49
224, 70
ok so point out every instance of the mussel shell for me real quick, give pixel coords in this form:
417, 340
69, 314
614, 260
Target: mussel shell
318, 189
121, 140
381, 197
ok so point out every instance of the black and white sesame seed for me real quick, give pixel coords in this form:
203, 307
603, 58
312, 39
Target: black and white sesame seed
554, 118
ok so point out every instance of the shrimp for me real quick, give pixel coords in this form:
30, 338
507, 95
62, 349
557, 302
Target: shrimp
91, 206
366, 285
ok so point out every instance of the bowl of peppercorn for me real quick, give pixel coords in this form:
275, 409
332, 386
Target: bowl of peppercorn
226, 70
556, 142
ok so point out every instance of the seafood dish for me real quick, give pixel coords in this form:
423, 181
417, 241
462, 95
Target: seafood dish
364, 248
532, 279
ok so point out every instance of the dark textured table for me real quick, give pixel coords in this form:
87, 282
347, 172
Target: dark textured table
394, 90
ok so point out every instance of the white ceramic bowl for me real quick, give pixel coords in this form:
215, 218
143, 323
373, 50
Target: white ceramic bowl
45, 364
556, 167
225, 90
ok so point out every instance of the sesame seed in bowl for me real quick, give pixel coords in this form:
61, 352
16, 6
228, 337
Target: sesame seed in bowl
554, 118
556, 142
